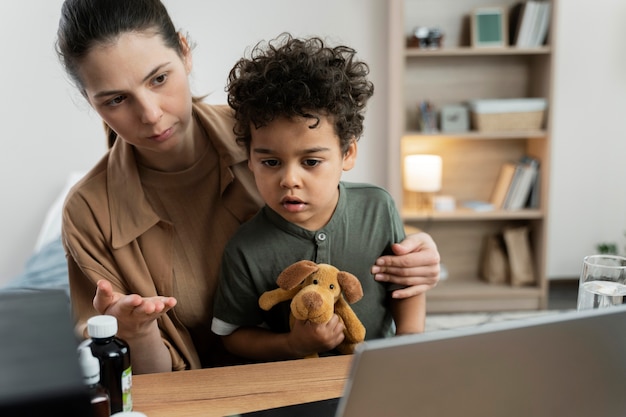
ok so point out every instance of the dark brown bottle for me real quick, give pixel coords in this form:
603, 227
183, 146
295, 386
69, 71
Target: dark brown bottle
114, 356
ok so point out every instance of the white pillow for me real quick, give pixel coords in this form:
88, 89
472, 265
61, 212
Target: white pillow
51, 228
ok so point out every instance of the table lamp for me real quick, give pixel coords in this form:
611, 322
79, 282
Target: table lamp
422, 175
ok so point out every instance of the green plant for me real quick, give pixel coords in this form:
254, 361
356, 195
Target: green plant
607, 248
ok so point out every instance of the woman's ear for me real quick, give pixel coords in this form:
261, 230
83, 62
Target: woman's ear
349, 157
187, 55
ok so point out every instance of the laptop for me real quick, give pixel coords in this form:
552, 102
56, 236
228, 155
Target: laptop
39, 370
564, 364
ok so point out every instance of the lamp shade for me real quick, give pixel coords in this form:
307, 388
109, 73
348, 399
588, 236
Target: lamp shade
422, 173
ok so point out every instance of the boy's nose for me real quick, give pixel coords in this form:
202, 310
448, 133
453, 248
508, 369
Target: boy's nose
290, 178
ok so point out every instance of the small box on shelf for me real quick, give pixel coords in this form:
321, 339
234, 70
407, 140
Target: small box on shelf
489, 115
454, 118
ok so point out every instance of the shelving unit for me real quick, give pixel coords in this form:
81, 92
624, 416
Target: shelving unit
454, 74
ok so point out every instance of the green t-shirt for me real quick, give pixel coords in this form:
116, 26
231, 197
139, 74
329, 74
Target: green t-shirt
363, 227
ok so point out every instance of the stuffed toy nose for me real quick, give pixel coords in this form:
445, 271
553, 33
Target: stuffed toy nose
312, 301
309, 304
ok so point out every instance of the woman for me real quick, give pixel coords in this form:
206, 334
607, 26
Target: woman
145, 229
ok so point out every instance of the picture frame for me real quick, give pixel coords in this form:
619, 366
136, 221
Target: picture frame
489, 27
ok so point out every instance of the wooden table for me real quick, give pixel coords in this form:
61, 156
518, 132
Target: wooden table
237, 389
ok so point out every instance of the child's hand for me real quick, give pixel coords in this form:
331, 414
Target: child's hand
307, 338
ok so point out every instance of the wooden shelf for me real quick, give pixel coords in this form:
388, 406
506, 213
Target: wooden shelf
462, 214
468, 51
472, 160
475, 295
473, 134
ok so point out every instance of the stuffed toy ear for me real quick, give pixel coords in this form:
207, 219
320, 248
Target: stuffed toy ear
295, 273
351, 286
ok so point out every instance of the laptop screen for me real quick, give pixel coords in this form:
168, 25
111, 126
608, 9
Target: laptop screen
562, 364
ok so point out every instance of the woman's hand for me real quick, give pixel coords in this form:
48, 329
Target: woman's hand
134, 313
414, 265
137, 325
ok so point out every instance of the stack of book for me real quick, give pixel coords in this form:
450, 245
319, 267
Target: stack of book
517, 186
529, 23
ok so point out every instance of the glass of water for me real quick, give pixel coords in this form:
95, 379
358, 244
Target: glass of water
602, 282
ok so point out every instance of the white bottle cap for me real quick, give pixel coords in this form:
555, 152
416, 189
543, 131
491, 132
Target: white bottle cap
102, 326
90, 365
129, 414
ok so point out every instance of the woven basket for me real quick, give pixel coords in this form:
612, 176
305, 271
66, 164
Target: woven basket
498, 122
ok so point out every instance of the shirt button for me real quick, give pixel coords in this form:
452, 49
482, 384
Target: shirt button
321, 236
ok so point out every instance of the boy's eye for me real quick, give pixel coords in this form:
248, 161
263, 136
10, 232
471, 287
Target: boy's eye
311, 162
270, 162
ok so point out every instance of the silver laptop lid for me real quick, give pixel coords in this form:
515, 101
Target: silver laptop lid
562, 364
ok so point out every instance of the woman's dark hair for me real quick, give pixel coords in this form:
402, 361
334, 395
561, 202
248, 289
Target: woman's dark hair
86, 23
294, 77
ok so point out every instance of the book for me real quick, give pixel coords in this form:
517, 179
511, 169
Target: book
515, 17
506, 205
542, 23
527, 24
535, 189
503, 183
520, 189
527, 169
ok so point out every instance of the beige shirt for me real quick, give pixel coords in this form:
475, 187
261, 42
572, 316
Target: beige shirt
153, 233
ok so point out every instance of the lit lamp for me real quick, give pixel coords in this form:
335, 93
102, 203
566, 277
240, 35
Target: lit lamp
422, 174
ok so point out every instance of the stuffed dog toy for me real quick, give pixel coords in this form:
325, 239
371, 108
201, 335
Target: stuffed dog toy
317, 291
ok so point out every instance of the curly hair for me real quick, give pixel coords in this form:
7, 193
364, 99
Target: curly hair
291, 77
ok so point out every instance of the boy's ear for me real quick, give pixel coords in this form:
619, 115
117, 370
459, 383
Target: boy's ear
349, 157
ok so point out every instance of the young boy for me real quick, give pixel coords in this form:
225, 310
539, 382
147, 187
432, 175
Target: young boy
299, 108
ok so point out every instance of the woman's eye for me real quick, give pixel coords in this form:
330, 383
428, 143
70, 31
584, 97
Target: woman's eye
115, 101
159, 79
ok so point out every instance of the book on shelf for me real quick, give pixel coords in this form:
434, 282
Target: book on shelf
514, 190
522, 186
515, 185
539, 30
503, 183
529, 22
515, 15
533, 197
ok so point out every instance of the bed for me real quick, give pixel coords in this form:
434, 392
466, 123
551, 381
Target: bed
46, 268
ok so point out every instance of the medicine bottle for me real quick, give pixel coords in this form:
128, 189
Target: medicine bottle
114, 356
98, 395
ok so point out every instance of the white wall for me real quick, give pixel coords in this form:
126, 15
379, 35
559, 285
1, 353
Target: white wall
48, 131
588, 193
